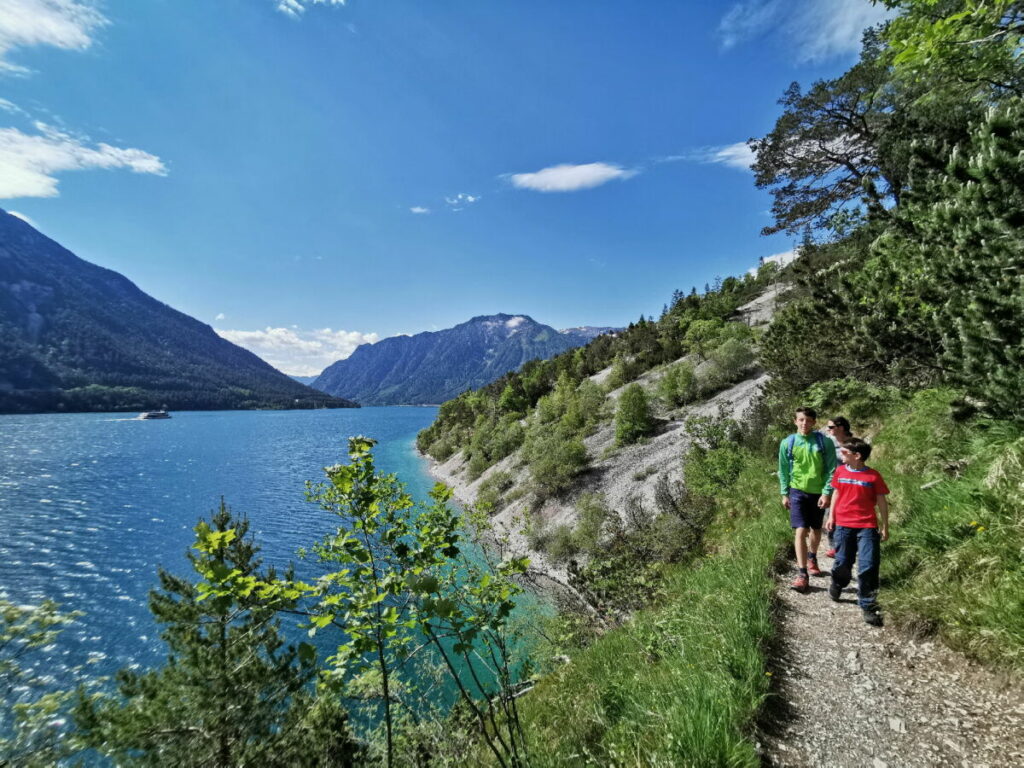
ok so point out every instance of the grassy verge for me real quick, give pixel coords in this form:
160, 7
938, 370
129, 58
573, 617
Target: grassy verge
682, 683
955, 563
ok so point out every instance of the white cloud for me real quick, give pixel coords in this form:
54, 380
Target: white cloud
816, 29
419, 209
24, 218
10, 106
295, 8
66, 24
782, 259
298, 352
29, 162
460, 201
220, 316
569, 178
737, 155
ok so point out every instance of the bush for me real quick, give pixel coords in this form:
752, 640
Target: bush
561, 544
555, 458
491, 490
633, 418
591, 514
730, 362
679, 384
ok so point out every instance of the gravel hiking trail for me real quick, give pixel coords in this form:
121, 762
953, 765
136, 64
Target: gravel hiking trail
848, 695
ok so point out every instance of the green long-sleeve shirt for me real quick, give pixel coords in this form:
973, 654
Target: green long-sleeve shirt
812, 468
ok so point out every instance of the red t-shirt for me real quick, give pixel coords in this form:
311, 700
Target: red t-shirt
858, 491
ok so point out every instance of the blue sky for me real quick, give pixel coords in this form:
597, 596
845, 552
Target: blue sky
307, 175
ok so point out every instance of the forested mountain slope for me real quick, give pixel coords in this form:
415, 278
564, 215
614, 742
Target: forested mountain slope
435, 366
78, 337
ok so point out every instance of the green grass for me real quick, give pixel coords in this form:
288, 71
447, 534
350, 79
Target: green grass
955, 562
682, 684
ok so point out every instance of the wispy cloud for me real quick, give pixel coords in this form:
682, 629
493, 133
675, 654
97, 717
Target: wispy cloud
737, 155
23, 217
816, 29
569, 178
11, 107
458, 202
67, 24
29, 162
419, 209
298, 352
295, 8
220, 316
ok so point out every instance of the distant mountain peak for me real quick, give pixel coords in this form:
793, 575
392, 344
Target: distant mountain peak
78, 337
435, 366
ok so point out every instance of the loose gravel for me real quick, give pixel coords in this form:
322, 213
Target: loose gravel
849, 695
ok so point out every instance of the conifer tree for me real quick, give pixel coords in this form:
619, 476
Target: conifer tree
230, 693
633, 418
964, 237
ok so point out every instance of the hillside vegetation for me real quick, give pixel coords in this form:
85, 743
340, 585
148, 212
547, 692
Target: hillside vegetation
902, 312
77, 337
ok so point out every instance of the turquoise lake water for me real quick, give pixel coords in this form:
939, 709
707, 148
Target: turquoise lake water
91, 504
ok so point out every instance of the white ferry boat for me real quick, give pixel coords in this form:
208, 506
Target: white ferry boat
154, 415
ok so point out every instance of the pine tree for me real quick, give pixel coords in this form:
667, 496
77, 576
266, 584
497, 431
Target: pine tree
633, 418
230, 693
974, 238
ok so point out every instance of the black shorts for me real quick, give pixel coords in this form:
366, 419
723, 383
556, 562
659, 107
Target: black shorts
804, 511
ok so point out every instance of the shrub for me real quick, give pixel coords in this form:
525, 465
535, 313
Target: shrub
561, 544
591, 514
555, 458
730, 362
491, 490
678, 385
633, 418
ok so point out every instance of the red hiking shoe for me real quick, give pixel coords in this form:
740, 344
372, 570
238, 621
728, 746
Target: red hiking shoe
800, 583
831, 552
813, 569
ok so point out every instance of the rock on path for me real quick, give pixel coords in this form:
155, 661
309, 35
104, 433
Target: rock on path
849, 695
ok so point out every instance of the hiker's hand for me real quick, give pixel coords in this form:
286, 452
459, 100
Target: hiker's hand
829, 524
785, 501
884, 534
824, 501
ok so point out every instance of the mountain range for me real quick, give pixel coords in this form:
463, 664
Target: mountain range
435, 366
77, 337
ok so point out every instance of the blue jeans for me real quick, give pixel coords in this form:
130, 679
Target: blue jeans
860, 544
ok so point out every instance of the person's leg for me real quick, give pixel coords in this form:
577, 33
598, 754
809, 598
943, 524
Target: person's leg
815, 540
800, 543
868, 555
814, 516
842, 567
797, 506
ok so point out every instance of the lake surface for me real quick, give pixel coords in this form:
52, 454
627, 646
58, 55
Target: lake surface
91, 504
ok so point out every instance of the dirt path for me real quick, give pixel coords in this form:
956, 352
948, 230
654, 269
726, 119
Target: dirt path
850, 695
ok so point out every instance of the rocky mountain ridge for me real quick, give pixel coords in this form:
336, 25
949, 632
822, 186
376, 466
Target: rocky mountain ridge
77, 337
435, 366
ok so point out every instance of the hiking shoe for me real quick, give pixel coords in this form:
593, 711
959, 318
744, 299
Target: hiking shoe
831, 552
800, 583
813, 569
834, 591
872, 617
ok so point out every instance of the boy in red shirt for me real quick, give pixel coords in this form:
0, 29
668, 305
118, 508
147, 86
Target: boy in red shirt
858, 532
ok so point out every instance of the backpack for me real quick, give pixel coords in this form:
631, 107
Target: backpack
791, 441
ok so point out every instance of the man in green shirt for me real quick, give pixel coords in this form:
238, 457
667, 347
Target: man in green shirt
807, 460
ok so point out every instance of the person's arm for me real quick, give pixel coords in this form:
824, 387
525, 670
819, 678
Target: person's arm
831, 462
883, 517
830, 521
784, 474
